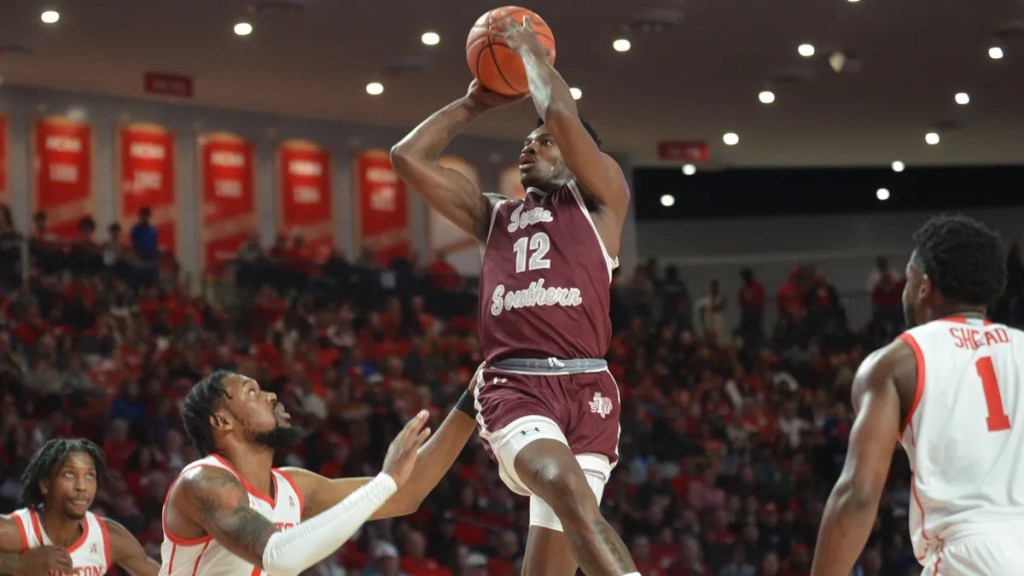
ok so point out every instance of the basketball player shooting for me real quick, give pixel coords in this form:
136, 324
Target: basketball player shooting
54, 532
949, 389
548, 407
231, 513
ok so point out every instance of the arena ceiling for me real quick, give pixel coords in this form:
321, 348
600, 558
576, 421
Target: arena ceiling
694, 72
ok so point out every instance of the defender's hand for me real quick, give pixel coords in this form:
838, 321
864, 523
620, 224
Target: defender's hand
401, 457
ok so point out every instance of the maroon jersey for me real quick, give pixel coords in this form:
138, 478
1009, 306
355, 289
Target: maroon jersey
544, 282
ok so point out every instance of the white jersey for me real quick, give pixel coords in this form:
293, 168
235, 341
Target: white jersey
205, 556
90, 555
964, 433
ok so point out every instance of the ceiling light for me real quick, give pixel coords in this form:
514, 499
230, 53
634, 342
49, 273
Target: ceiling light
430, 38
766, 96
898, 166
50, 16
576, 93
374, 88
932, 138
243, 28
853, 1
667, 200
689, 169
963, 98
882, 194
731, 138
805, 50
995, 53
622, 45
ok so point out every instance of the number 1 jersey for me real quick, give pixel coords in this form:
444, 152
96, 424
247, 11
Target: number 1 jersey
544, 281
964, 434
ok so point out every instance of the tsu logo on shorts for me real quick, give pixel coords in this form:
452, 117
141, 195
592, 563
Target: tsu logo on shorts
601, 405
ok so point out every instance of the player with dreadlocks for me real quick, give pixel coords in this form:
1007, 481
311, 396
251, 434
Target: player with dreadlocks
54, 532
951, 390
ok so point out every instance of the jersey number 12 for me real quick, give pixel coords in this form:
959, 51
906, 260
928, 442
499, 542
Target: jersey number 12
997, 419
538, 246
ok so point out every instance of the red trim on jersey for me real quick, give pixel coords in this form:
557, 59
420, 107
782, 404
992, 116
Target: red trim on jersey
964, 320
295, 488
170, 561
249, 487
938, 558
39, 531
106, 541
919, 391
256, 572
195, 567
21, 531
85, 534
920, 507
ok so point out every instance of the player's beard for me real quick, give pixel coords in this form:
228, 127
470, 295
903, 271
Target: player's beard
279, 438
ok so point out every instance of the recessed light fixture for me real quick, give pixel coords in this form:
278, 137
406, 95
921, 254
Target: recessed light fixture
805, 50
50, 16
243, 29
374, 88
622, 45
430, 38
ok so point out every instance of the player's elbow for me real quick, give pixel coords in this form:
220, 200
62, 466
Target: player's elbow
857, 494
400, 156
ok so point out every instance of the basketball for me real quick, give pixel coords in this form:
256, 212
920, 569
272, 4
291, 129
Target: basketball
491, 60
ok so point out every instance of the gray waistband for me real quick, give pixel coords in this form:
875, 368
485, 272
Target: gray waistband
543, 365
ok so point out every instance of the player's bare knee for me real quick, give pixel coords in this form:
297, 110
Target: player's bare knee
568, 494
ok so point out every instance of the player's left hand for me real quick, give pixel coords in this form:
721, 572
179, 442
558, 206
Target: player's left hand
521, 37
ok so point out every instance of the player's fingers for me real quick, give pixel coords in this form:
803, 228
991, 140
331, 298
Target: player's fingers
414, 426
422, 437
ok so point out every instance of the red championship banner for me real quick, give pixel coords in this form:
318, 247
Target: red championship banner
146, 170
458, 248
62, 162
5, 196
509, 184
227, 198
305, 202
383, 223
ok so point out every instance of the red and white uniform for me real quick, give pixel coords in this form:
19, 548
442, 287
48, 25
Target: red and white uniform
205, 556
964, 436
90, 555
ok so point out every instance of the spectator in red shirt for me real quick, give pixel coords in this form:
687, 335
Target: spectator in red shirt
415, 561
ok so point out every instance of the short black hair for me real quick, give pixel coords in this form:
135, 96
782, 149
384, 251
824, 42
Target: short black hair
49, 459
590, 129
201, 402
965, 259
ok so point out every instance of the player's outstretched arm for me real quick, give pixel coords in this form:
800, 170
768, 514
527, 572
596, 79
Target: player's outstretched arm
416, 159
852, 506
126, 552
41, 560
433, 461
598, 173
216, 501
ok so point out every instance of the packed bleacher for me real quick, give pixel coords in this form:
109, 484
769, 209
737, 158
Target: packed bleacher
732, 435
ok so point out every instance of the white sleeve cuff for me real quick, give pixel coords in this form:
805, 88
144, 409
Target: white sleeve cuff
291, 551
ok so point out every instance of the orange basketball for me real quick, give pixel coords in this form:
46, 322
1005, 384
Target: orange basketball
493, 63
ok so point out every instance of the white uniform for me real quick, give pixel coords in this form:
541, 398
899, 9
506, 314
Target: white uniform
205, 556
964, 436
90, 555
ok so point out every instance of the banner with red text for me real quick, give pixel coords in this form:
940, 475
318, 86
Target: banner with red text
5, 196
62, 162
509, 184
227, 198
458, 248
306, 204
146, 170
382, 207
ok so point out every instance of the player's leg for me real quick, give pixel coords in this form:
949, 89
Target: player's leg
548, 553
549, 470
